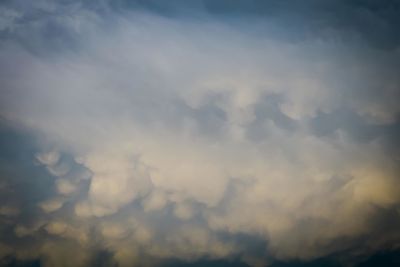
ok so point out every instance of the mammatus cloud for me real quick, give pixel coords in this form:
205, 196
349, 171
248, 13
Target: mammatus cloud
136, 137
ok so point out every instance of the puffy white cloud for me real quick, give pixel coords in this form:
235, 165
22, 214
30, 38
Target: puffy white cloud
157, 200
157, 119
51, 205
48, 158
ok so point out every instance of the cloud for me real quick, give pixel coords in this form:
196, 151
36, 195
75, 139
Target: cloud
51, 205
142, 136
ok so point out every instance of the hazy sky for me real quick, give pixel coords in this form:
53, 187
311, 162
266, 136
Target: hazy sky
199, 133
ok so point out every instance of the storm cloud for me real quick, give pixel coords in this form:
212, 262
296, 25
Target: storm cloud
243, 133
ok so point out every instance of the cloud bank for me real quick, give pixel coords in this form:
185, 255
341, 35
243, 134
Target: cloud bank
133, 134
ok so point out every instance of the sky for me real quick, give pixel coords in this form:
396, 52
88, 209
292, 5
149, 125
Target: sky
200, 133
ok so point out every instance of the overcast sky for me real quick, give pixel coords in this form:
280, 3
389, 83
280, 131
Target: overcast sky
199, 133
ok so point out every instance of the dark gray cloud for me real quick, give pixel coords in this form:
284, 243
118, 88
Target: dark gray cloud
375, 23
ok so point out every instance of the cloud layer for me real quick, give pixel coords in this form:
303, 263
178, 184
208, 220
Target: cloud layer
136, 135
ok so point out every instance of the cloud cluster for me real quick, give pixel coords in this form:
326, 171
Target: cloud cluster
131, 138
